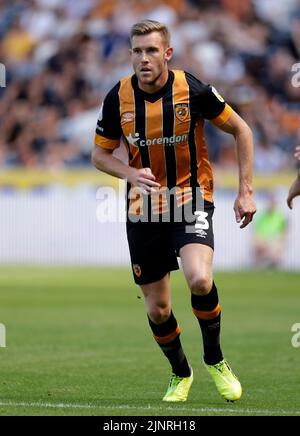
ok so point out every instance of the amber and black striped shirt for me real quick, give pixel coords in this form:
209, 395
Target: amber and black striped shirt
165, 130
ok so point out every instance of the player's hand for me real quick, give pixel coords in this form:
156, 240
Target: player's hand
297, 152
244, 209
293, 192
144, 179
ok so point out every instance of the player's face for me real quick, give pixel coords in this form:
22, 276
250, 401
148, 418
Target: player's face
150, 56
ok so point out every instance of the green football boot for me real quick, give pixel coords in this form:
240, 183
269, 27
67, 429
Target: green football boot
226, 382
178, 388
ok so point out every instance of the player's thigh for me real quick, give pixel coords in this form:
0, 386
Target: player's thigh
194, 242
151, 251
196, 261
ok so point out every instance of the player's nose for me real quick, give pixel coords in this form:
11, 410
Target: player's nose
144, 57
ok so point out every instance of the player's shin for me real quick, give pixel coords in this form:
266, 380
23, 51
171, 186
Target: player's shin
167, 336
208, 312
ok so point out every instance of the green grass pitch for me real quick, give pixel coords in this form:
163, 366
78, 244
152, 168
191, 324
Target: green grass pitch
78, 343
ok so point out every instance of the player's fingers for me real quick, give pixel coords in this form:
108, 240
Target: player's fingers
154, 190
148, 174
297, 152
237, 214
145, 189
247, 219
148, 182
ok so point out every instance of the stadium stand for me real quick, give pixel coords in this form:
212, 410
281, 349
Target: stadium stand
61, 60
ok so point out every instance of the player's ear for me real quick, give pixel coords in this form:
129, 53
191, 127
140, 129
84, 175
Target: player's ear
168, 54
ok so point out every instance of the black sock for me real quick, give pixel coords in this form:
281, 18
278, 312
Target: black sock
208, 312
167, 337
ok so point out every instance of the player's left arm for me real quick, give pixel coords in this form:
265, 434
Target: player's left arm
294, 190
212, 106
244, 205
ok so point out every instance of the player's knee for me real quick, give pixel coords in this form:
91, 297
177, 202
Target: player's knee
201, 285
159, 313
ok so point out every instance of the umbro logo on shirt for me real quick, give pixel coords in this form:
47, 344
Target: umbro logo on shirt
127, 117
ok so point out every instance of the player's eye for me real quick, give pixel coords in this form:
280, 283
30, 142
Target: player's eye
152, 50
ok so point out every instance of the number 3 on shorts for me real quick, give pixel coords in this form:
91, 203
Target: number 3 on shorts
202, 223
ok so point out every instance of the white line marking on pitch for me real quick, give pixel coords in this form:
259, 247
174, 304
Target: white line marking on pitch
128, 407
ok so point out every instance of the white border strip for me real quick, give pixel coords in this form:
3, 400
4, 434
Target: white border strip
237, 411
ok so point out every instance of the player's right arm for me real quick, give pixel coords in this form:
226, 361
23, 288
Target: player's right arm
107, 139
104, 161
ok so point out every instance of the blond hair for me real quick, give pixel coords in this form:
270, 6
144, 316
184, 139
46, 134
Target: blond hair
148, 26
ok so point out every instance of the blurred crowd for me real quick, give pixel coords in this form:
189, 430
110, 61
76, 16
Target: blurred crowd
62, 56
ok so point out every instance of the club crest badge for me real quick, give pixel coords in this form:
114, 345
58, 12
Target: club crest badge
182, 111
137, 269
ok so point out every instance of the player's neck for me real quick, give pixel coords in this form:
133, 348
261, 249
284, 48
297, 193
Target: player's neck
151, 88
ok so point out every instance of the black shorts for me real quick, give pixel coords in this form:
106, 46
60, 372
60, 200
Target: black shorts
154, 246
